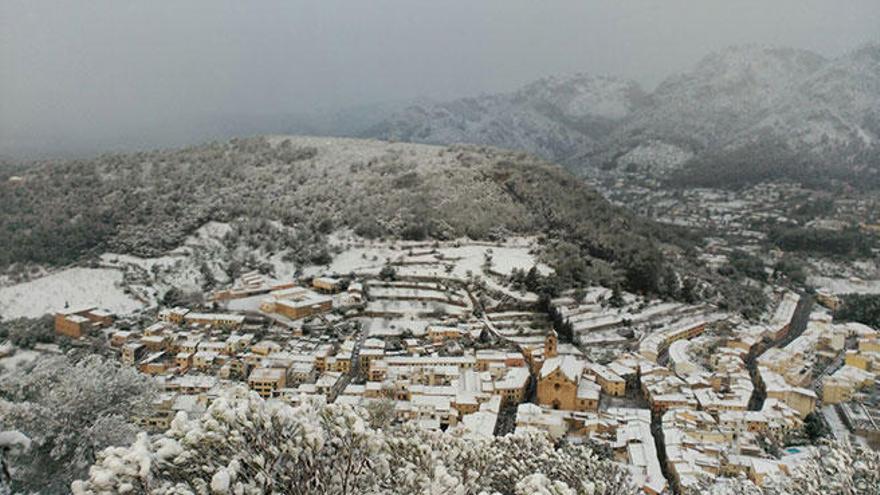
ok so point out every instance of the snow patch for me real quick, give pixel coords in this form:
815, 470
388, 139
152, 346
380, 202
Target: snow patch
75, 287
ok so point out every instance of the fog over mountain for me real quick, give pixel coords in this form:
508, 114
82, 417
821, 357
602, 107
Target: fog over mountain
556, 118
805, 110
87, 77
739, 96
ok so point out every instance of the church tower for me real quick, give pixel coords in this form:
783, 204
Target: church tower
550, 343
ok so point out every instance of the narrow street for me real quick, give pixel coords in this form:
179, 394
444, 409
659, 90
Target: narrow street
355, 370
660, 445
799, 322
838, 429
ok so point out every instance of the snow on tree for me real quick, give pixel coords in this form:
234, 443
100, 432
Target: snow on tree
11, 442
70, 411
835, 469
538, 484
245, 445
710, 485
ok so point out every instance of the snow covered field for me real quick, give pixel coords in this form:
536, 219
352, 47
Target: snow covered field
845, 286
75, 287
381, 327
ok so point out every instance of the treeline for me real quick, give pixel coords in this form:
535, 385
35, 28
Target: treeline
772, 160
741, 167
850, 242
592, 240
861, 308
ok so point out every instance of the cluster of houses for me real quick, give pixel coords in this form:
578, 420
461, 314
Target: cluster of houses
439, 392
860, 369
704, 409
418, 345
788, 372
625, 430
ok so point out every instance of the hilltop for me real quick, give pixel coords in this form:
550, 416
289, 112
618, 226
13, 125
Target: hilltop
147, 203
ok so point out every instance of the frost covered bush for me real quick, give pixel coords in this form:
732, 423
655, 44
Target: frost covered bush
25, 332
11, 442
538, 484
836, 469
70, 411
244, 445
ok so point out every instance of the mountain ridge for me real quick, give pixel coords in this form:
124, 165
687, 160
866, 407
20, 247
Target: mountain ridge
553, 117
825, 110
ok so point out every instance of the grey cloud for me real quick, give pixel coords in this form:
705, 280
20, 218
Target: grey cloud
94, 75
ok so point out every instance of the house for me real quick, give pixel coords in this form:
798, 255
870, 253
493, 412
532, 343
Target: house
611, 382
659, 341
215, 320
133, 352
267, 381
204, 360
368, 356
801, 399
843, 383
785, 311
438, 334
183, 360
154, 364
509, 384
266, 347
155, 343
77, 322
173, 315
120, 338
342, 361
249, 284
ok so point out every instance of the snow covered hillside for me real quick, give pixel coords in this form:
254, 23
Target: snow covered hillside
74, 287
283, 196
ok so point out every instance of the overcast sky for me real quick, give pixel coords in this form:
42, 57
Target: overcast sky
108, 74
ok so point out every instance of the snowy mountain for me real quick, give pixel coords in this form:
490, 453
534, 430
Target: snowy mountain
555, 118
725, 93
824, 112
836, 110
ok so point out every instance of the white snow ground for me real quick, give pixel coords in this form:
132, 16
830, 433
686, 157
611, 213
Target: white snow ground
75, 287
